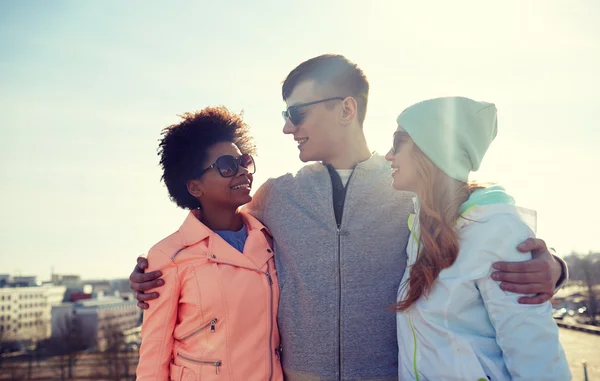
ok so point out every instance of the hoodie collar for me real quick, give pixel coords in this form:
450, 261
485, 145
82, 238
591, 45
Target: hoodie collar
369, 163
487, 196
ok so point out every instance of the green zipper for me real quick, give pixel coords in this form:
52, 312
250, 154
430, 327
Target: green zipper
415, 347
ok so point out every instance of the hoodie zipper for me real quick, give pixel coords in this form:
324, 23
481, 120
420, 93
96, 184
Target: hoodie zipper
339, 233
217, 363
210, 324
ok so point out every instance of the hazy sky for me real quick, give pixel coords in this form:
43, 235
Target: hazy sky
86, 87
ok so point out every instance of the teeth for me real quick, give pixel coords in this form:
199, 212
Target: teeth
241, 186
302, 141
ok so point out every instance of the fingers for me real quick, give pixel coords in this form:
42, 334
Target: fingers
533, 277
523, 278
532, 244
142, 263
537, 299
135, 273
140, 277
526, 289
531, 266
140, 282
539, 273
143, 297
525, 282
145, 282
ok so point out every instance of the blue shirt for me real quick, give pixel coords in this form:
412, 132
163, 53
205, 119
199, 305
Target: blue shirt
236, 239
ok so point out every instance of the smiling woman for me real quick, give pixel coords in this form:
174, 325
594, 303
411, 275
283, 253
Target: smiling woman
223, 186
191, 148
217, 267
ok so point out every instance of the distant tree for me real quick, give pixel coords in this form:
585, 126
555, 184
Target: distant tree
13, 372
118, 364
1, 347
580, 263
586, 269
65, 344
38, 333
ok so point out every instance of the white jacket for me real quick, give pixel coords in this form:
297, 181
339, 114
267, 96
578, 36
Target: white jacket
469, 329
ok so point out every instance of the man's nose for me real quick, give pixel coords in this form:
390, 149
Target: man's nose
289, 127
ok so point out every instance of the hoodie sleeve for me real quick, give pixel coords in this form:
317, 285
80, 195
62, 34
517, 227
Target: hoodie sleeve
527, 334
159, 322
258, 206
564, 276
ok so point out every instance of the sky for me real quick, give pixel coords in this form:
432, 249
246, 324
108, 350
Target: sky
86, 87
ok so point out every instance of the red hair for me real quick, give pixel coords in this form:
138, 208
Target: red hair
440, 198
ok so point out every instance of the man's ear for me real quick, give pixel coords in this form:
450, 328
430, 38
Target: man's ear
349, 110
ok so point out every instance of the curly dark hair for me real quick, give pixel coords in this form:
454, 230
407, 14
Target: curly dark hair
184, 147
332, 70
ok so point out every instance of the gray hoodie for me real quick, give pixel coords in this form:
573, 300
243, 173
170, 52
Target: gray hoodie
337, 284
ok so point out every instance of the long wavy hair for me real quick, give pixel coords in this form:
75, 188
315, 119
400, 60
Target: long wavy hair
440, 197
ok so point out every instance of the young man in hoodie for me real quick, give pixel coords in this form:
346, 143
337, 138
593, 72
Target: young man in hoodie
340, 236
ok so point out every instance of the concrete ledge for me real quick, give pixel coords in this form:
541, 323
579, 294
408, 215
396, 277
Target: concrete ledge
579, 327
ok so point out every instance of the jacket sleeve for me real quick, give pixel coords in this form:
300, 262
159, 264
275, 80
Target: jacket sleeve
159, 322
527, 334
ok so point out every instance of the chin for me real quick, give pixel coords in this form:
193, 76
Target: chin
246, 200
397, 185
240, 201
304, 157
312, 156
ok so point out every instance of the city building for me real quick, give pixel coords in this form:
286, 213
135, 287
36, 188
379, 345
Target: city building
65, 279
25, 308
95, 320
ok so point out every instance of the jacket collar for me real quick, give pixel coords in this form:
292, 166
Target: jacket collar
257, 251
194, 231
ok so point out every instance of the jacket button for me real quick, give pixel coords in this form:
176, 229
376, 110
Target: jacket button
269, 251
213, 256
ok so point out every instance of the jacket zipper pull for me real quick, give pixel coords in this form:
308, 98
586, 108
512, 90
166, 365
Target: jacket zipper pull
278, 353
217, 365
269, 278
212, 325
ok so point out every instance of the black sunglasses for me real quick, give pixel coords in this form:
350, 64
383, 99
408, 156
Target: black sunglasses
228, 165
293, 112
399, 138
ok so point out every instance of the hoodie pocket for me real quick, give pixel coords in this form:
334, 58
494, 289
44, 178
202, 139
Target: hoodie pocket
203, 361
180, 373
211, 324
